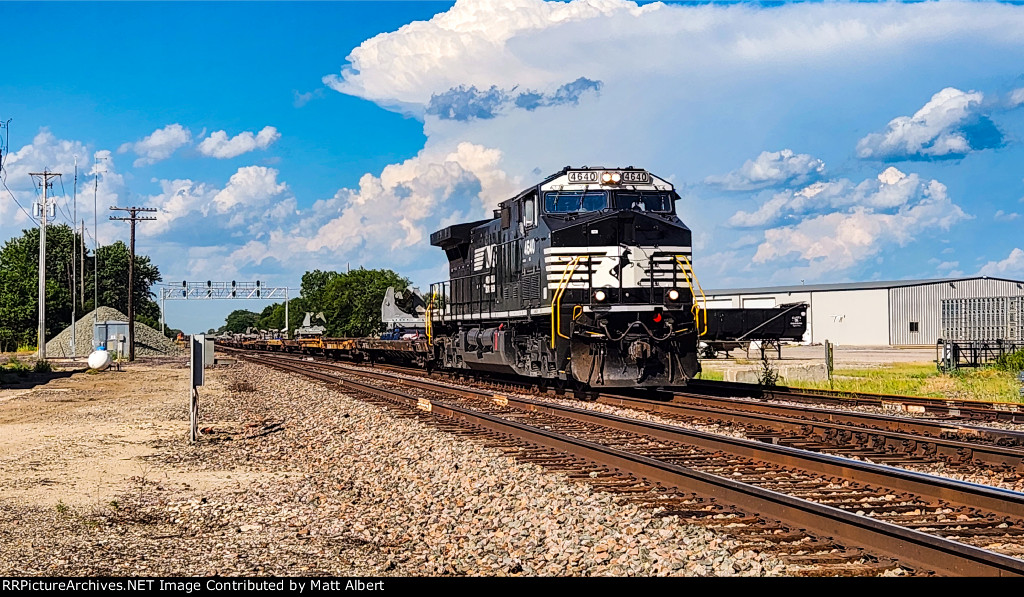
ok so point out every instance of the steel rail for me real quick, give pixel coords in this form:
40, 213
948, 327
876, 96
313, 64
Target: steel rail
913, 548
902, 435
898, 434
1007, 411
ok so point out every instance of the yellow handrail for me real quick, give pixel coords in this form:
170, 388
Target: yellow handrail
696, 309
556, 298
429, 321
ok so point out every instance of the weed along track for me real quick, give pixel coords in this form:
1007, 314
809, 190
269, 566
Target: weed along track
923, 524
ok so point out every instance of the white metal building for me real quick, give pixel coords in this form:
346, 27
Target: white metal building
896, 313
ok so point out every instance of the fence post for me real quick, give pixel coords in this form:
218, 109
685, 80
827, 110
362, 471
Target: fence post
829, 362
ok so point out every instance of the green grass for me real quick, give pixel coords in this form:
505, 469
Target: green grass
711, 374
923, 379
13, 365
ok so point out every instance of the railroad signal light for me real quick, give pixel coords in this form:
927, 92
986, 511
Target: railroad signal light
657, 315
257, 283
209, 284
184, 284
184, 293
232, 283
257, 292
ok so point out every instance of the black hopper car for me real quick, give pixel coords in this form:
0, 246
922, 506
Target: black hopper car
585, 280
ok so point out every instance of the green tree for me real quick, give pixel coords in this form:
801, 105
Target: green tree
19, 274
314, 285
353, 301
19, 286
113, 281
272, 316
239, 320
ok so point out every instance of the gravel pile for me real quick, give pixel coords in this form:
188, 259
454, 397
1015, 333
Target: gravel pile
148, 342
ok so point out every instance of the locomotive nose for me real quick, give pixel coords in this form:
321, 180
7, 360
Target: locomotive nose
622, 227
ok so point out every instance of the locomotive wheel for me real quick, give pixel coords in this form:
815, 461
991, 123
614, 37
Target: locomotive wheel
559, 387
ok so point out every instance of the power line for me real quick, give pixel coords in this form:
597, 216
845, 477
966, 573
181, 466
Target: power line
4, 152
11, 193
64, 194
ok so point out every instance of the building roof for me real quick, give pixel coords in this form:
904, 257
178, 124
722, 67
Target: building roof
868, 285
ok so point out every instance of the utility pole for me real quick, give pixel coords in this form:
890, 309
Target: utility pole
74, 248
81, 271
46, 176
134, 217
95, 242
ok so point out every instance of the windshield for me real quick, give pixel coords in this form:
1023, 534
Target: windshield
644, 201
575, 201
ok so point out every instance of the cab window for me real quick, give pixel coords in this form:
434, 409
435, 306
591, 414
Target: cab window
530, 211
575, 201
644, 201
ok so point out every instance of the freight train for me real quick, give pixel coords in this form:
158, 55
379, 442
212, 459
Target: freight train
582, 281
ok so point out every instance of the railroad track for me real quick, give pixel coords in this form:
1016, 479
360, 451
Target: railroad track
885, 439
772, 497
1011, 412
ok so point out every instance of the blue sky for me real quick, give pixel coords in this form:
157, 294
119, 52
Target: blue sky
819, 142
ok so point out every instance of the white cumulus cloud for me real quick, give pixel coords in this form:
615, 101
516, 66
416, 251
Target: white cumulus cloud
860, 221
890, 189
1013, 265
466, 46
1016, 97
251, 197
159, 145
47, 151
949, 125
770, 169
218, 145
393, 211
541, 45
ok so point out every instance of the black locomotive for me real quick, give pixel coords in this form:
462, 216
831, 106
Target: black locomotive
584, 280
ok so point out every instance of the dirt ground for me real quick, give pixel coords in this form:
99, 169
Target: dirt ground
80, 439
97, 478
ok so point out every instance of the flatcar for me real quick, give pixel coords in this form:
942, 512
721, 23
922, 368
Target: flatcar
584, 280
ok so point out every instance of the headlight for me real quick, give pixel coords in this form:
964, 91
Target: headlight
673, 295
599, 296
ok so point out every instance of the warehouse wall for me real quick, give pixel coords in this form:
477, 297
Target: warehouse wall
850, 317
923, 305
769, 300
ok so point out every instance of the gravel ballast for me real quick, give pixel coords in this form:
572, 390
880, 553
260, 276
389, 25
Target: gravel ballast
313, 482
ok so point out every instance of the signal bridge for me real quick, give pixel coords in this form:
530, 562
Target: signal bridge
222, 290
